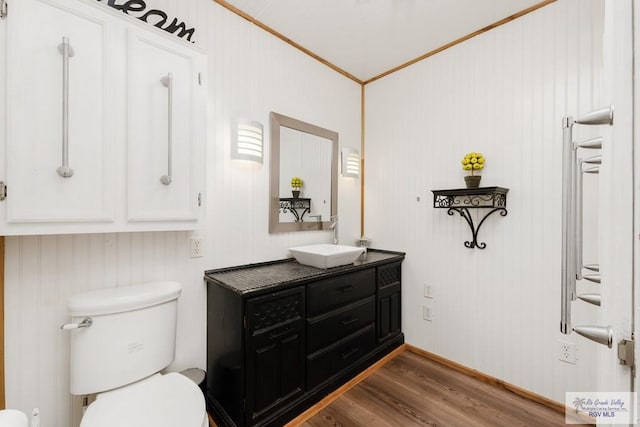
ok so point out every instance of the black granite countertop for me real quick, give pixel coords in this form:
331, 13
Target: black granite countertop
252, 278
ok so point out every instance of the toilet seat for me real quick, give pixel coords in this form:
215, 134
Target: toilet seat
159, 401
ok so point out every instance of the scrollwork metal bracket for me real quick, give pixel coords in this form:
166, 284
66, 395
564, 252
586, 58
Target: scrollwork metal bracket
464, 212
461, 200
294, 205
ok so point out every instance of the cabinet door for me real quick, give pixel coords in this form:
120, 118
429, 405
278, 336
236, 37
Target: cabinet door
275, 371
38, 122
275, 352
389, 301
164, 138
389, 315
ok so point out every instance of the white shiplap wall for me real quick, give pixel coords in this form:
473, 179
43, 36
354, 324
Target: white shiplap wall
502, 93
250, 73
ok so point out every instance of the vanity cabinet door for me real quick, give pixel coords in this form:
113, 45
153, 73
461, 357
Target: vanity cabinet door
389, 301
165, 141
275, 352
57, 114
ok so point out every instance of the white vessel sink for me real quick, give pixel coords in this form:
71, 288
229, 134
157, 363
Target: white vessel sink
326, 255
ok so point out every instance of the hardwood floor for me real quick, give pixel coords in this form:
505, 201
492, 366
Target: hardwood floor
411, 390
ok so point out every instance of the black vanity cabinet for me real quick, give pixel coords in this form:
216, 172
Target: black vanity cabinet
281, 336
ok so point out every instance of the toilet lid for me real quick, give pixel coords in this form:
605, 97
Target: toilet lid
160, 401
13, 418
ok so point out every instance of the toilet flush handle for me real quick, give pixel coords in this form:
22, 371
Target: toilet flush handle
86, 322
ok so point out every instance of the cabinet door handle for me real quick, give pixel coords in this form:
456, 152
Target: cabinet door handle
349, 353
167, 81
344, 289
350, 321
67, 52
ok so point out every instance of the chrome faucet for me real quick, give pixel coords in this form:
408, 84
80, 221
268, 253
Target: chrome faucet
334, 226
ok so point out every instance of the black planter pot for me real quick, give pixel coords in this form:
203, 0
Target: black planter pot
472, 181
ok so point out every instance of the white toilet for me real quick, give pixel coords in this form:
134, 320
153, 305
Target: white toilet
120, 339
13, 418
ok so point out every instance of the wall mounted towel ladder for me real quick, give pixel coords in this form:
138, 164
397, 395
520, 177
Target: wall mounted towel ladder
573, 170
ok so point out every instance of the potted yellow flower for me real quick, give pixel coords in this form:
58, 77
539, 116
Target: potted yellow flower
474, 163
296, 184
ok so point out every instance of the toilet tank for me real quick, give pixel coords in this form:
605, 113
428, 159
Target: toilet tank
133, 335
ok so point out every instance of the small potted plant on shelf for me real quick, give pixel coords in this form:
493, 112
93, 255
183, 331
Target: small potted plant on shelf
296, 184
474, 163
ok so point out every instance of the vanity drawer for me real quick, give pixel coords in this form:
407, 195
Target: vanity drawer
327, 294
322, 364
327, 328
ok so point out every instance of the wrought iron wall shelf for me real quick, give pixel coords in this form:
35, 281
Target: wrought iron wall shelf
295, 205
462, 199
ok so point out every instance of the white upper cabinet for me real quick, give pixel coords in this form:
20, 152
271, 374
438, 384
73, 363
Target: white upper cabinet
57, 103
106, 123
162, 117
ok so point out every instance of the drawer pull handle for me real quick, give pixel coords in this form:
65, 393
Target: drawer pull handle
343, 289
350, 321
279, 334
349, 353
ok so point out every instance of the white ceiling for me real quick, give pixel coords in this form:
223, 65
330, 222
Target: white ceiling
366, 38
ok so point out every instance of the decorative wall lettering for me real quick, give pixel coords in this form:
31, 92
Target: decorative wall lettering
155, 17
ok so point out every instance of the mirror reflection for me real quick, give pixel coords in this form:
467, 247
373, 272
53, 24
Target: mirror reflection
307, 157
304, 171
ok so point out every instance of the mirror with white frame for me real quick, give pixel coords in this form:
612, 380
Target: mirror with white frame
308, 152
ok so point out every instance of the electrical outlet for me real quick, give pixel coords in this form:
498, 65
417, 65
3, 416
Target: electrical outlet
196, 245
567, 352
428, 291
427, 312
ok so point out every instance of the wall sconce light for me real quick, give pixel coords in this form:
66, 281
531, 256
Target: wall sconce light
247, 140
350, 163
